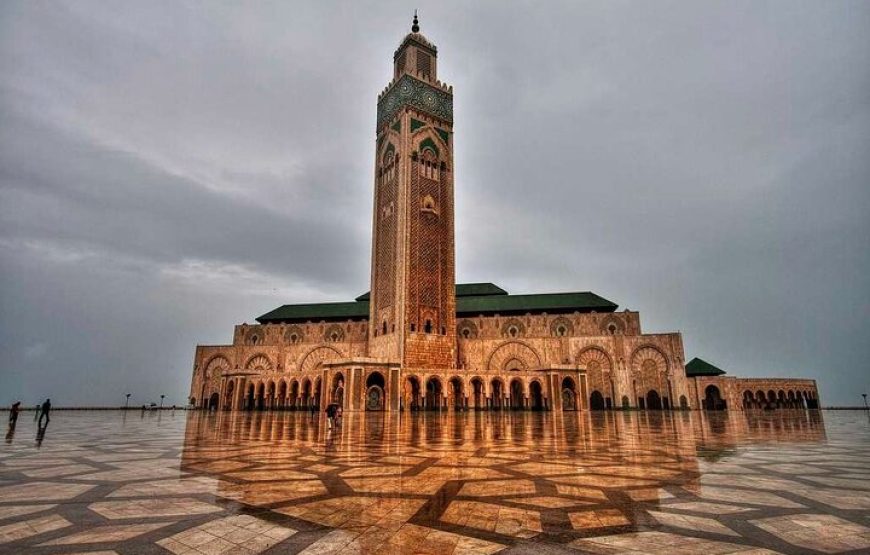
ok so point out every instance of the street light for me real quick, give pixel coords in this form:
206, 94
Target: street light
865, 401
161, 400
127, 401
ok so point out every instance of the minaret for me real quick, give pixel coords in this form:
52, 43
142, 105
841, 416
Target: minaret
413, 303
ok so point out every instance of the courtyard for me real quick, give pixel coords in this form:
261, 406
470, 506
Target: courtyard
788, 481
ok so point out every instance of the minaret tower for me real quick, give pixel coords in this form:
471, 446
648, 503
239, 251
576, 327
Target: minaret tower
413, 302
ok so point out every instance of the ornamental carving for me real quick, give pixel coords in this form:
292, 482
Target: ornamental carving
216, 366
648, 359
409, 91
317, 356
561, 327
294, 334
260, 363
513, 355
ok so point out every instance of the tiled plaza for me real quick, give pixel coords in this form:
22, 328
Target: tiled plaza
511, 482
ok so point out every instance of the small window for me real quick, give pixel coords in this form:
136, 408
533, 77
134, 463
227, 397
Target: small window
612, 329
466, 333
384, 332
513, 331
413, 327
428, 327
561, 331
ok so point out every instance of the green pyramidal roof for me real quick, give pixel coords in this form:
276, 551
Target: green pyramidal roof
699, 367
472, 299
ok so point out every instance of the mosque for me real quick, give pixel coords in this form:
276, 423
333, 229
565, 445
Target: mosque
419, 341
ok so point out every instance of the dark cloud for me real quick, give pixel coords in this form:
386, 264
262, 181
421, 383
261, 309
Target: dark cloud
167, 171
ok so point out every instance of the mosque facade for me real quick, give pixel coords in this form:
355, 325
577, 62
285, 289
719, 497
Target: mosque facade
420, 341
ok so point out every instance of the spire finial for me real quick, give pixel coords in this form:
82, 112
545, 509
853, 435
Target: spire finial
415, 28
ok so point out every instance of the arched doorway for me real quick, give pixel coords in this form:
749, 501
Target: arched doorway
569, 394
213, 401
270, 397
433, 394
337, 394
305, 397
626, 404
228, 395
684, 403
497, 389
713, 399
457, 401
412, 393
477, 390
282, 395
748, 401
517, 396
760, 400
536, 396
294, 395
375, 391
249, 403
261, 396
653, 400
596, 401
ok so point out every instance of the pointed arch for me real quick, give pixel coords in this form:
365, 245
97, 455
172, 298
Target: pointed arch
215, 366
259, 362
513, 351
312, 360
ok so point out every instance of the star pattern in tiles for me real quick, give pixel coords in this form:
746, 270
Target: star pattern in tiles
199, 483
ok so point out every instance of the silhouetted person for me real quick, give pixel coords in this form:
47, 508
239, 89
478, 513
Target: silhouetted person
44, 413
13, 414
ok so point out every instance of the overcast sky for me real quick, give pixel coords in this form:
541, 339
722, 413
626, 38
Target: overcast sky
170, 169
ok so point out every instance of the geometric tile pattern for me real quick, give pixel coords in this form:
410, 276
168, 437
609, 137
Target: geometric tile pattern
636, 482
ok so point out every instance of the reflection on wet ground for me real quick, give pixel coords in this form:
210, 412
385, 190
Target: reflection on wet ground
636, 482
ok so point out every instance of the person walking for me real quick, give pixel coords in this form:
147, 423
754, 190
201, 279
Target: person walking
44, 413
13, 413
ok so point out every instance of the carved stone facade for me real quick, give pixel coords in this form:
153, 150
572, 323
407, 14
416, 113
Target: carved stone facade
417, 341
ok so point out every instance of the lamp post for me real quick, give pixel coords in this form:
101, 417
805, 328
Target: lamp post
127, 401
161, 400
865, 401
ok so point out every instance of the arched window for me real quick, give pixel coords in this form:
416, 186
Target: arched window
428, 327
384, 332
428, 205
429, 164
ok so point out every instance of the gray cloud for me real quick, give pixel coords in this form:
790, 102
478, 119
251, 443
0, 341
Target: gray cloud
167, 171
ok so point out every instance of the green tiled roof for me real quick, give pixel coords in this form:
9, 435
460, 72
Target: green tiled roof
317, 312
471, 299
552, 303
462, 290
698, 367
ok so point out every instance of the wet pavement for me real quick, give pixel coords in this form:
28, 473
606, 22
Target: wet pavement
512, 482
